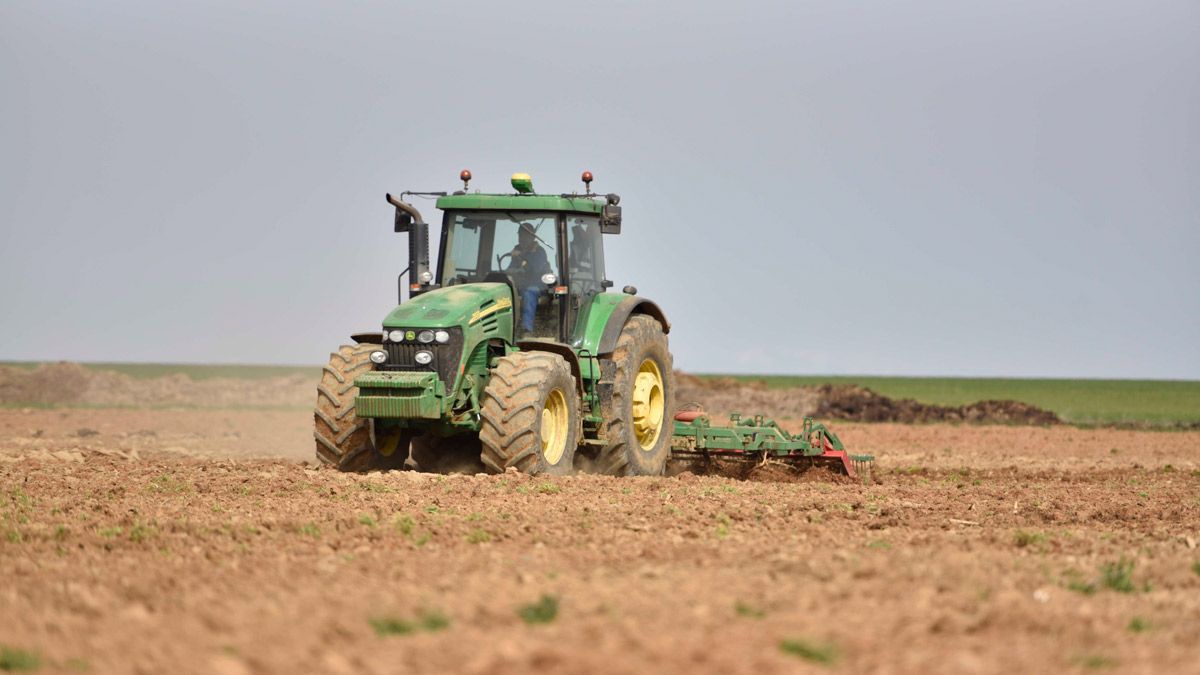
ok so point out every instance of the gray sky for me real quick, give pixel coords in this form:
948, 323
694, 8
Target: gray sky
933, 188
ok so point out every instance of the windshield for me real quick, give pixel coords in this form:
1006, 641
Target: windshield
523, 245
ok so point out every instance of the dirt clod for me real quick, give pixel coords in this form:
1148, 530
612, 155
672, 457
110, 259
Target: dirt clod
843, 402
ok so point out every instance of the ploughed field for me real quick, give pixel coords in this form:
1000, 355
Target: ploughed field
198, 540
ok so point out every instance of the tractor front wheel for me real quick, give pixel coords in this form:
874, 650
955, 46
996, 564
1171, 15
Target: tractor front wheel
638, 415
343, 440
530, 415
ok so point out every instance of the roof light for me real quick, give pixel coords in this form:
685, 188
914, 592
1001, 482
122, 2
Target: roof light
523, 183
465, 177
587, 181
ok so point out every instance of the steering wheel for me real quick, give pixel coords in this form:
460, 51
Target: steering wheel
500, 260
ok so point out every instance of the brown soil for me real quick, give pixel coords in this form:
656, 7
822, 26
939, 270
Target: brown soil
72, 384
162, 541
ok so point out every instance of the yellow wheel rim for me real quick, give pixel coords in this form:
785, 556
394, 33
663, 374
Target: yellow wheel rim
388, 444
648, 404
555, 421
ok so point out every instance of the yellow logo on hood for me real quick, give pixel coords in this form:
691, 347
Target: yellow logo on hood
502, 303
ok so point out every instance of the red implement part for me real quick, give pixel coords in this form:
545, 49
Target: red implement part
839, 456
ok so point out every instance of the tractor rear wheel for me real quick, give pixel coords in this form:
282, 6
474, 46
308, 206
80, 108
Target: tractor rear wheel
343, 440
530, 415
637, 416
447, 454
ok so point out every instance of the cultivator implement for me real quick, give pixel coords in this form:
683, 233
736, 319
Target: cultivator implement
760, 440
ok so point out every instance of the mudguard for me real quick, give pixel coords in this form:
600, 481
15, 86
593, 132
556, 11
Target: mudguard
621, 313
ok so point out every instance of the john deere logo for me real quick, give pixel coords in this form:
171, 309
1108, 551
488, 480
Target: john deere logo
410, 335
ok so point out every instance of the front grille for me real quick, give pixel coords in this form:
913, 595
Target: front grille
402, 356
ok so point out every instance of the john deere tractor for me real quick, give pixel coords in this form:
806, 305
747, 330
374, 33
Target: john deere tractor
510, 351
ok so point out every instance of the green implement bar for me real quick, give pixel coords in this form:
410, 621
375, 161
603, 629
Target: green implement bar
757, 438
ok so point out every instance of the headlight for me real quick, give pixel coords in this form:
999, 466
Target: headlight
396, 336
549, 278
425, 336
441, 336
424, 358
426, 276
378, 357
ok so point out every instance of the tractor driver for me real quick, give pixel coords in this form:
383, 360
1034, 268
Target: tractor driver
527, 266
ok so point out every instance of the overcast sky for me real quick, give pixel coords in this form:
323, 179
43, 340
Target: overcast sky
927, 188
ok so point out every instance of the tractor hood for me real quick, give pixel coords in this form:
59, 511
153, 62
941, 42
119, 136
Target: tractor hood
452, 306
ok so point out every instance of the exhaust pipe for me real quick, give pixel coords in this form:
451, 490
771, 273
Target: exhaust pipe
408, 219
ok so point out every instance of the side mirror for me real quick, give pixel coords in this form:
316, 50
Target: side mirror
610, 219
403, 221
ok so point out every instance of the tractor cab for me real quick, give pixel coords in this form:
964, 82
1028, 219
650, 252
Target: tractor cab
546, 248
552, 261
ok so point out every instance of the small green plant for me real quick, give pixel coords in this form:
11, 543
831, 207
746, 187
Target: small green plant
140, 532
1196, 568
309, 530
432, 621
748, 611
373, 486
1118, 576
478, 536
1138, 625
723, 523
879, 543
168, 484
404, 524
13, 660
110, 532
545, 610
390, 625
366, 520
1024, 538
1094, 661
824, 654
548, 489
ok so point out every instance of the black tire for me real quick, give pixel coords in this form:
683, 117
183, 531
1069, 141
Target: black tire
642, 340
343, 440
446, 454
523, 386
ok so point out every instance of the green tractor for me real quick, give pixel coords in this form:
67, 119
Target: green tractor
510, 352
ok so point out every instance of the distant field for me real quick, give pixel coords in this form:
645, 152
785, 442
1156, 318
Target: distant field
195, 371
1155, 402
